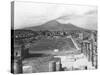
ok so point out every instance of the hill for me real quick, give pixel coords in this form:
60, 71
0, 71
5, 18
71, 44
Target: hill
55, 26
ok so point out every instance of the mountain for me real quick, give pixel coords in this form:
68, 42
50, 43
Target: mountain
55, 26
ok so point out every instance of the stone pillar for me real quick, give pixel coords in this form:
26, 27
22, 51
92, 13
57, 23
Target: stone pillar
82, 47
89, 56
58, 66
86, 49
92, 53
52, 66
18, 63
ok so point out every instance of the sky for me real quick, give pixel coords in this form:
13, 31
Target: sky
28, 14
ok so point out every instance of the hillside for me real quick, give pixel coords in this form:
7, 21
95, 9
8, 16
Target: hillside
55, 26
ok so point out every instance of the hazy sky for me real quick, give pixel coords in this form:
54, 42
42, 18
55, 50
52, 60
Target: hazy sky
28, 14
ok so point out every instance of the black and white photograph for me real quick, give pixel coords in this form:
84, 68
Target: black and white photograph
50, 37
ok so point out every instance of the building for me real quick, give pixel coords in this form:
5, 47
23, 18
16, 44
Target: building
41, 64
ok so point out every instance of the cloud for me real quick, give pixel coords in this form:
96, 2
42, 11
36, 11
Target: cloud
87, 20
32, 14
91, 12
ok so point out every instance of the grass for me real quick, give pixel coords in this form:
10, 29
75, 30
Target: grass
51, 44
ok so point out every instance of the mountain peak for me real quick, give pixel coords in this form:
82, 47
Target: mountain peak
54, 25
